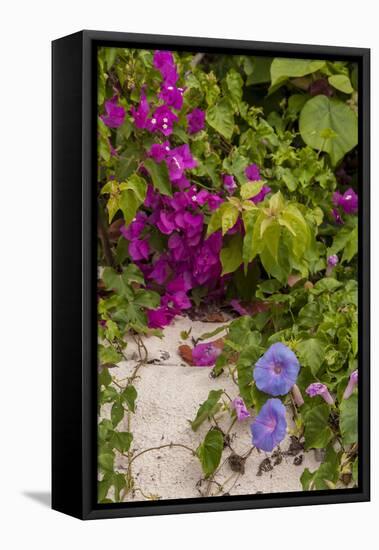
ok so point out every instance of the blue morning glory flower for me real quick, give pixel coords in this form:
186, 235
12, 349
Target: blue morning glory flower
277, 370
269, 427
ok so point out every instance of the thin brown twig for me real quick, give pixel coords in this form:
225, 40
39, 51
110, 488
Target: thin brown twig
167, 445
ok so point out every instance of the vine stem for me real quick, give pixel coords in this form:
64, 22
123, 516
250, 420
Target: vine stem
167, 445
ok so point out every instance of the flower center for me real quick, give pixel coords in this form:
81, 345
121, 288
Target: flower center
277, 368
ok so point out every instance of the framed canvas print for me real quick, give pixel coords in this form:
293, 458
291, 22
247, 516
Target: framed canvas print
210, 274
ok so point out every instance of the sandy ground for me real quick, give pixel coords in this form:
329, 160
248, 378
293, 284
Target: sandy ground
169, 394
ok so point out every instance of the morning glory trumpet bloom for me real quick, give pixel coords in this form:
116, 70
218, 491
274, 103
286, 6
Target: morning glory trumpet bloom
277, 370
270, 425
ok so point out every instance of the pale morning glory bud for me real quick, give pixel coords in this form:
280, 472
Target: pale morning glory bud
320, 389
353, 381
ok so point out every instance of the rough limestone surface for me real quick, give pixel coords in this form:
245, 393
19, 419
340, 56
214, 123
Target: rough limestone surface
169, 394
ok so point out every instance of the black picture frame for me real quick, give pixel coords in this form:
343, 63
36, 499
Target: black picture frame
74, 417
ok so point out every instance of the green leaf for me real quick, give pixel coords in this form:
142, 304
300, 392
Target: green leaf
235, 164
118, 282
229, 216
283, 68
133, 274
231, 255
292, 219
225, 216
234, 83
104, 378
129, 395
121, 441
271, 236
252, 244
296, 103
107, 354
136, 184
245, 364
119, 482
126, 196
147, 298
341, 82
346, 238
117, 413
349, 419
321, 114
105, 461
159, 175
103, 487
351, 248
327, 284
311, 354
210, 451
104, 428
317, 433
207, 409
250, 189
221, 118
325, 476
260, 72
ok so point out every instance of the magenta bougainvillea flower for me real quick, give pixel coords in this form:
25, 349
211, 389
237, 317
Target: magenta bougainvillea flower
162, 58
162, 120
141, 113
159, 318
320, 389
160, 271
252, 172
159, 151
229, 183
179, 300
269, 426
277, 370
205, 355
164, 62
261, 195
239, 406
178, 160
135, 228
348, 201
353, 381
115, 114
166, 222
213, 200
172, 96
206, 263
139, 249
196, 121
